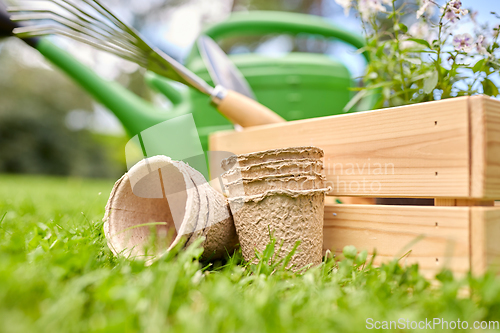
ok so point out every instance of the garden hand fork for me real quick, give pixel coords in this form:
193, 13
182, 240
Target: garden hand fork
90, 22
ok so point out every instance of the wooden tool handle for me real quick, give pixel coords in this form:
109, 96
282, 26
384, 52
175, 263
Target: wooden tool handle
246, 112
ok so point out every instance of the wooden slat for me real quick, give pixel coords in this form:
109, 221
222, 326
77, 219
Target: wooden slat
421, 150
485, 147
463, 202
350, 200
393, 229
445, 202
485, 239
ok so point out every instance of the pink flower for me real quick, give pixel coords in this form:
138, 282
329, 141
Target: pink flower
456, 4
453, 10
463, 42
481, 45
450, 16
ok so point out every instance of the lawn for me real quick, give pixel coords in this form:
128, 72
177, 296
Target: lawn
57, 275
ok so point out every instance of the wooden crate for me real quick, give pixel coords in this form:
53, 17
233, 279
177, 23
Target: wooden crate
447, 150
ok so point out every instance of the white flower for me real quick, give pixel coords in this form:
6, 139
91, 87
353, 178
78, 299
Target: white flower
463, 42
481, 45
419, 30
346, 4
423, 8
368, 8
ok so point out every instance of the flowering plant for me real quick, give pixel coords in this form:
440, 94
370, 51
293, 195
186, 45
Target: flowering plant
430, 60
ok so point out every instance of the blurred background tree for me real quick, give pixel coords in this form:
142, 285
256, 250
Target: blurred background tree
34, 134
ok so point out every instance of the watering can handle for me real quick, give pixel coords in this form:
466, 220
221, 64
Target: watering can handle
265, 22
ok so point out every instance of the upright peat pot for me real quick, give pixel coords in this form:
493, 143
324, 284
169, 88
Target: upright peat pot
281, 193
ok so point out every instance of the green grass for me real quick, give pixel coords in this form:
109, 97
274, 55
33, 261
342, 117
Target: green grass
57, 275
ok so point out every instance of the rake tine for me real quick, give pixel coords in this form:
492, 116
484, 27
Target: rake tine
38, 31
84, 22
124, 32
108, 14
70, 24
104, 11
70, 7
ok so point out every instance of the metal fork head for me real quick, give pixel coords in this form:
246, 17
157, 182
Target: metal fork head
86, 22
90, 22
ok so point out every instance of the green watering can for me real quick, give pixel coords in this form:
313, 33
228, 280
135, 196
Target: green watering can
296, 86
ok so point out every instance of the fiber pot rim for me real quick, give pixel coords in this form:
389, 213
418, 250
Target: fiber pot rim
230, 161
277, 165
290, 193
283, 177
297, 149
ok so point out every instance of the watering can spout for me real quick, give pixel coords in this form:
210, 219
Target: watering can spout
165, 87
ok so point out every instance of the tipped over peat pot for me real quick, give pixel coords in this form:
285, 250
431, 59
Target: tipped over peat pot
174, 200
279, 192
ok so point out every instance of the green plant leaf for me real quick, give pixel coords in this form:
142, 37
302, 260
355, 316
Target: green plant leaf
418, 77
415, 61
354, 100
350, 251
477, 67
489, 88
403, 27
361, 257
386, 92
420, 41
430, 82
380, 50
